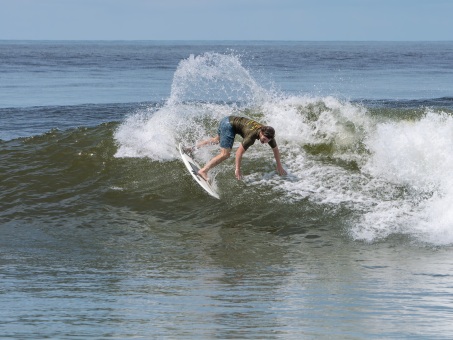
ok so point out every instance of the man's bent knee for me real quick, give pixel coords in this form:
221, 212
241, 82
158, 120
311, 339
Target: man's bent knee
225, 154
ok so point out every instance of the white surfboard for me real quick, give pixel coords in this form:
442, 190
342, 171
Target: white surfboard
193, 168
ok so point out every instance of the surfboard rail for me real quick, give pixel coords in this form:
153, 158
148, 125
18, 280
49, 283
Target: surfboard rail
193, 168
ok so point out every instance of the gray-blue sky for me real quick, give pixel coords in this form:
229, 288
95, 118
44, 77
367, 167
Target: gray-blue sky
227, 19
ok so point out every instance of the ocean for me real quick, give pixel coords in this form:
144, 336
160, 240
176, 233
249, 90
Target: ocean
105, 235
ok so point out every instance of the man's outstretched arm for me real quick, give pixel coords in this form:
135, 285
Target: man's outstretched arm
280, 169
239, 153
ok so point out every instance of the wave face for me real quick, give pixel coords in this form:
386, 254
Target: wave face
383, 168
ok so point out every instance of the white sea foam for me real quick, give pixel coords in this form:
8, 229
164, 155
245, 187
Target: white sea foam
418, 156
393, 175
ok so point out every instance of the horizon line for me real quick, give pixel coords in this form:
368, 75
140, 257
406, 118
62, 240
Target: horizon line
227, 40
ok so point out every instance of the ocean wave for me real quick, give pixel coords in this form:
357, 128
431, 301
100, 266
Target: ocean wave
388, 169
438, 103
372, 171
21, 122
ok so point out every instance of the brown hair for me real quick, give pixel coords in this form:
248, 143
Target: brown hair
268, 131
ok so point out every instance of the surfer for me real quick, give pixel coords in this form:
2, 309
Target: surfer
250, 131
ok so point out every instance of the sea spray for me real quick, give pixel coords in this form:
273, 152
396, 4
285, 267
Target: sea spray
205, 88
214, 77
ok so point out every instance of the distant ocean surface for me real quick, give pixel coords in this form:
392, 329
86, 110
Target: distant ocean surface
103, 234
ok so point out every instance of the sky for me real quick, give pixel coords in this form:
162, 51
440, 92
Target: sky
293, 20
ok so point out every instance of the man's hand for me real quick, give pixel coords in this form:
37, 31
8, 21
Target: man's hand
281, 171
238, 174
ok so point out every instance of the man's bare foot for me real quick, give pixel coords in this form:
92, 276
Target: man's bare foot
203, 174
189, 150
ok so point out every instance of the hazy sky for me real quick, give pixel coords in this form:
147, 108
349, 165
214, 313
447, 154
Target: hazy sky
227, 19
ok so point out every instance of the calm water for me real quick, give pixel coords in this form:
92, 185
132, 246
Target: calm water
105, 235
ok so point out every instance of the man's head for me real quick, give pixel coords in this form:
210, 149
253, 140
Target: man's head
267, 133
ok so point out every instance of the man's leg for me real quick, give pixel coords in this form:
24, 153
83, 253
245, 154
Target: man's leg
224, 154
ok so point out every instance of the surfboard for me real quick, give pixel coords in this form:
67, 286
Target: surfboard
193, 168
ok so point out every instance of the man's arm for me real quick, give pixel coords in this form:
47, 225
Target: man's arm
280, 169
239, 153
